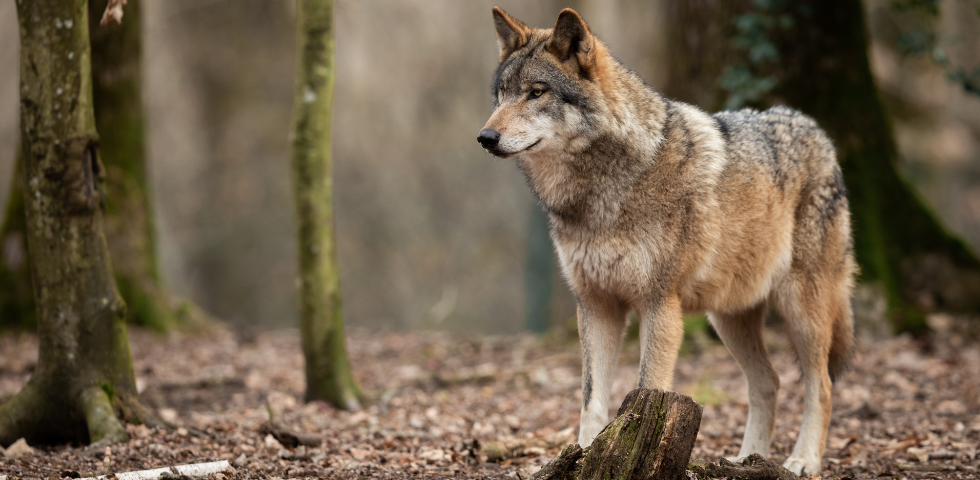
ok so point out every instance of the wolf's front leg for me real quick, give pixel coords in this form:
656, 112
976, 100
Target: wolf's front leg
600, 329
661, 334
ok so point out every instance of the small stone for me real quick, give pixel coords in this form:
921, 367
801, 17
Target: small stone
271, 443
168, 414
18, 449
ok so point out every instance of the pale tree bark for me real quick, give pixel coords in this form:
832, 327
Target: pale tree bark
83, 383
328, 374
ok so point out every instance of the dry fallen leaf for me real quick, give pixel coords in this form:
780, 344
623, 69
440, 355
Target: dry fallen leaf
19, 448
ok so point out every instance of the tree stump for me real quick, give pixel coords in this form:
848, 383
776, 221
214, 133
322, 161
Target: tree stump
651, 437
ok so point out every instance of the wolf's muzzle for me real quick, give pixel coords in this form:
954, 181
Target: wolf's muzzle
489, 138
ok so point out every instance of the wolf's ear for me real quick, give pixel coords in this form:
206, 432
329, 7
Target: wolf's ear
572, 41
512, 34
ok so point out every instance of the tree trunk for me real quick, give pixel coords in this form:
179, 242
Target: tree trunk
328, 374
652, 437
129, 220
823, 70
84, 375
116, 89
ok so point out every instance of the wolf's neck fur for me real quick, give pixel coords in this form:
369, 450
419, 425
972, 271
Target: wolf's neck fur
584, 186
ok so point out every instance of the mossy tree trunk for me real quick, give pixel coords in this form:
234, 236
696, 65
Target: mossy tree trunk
328, 374
129, 219
823, 70
119, 119
84, 382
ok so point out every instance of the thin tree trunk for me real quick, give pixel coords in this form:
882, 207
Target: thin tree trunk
328, 374
823, 70
116, 89
84, 374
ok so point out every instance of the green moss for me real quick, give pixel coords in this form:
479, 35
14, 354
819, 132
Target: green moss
145, 307
109, 389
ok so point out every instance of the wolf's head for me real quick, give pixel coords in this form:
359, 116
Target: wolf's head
547, 89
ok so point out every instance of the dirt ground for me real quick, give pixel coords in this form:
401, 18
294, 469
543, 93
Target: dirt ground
906, 409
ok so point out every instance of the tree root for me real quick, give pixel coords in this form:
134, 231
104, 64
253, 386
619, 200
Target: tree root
18, 416
753, 467
104, 428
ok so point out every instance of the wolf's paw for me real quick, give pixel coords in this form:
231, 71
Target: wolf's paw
802, 466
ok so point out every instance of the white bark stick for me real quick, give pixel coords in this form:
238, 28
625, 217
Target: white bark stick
194, 470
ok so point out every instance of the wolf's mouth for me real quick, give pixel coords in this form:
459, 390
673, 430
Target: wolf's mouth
501, 154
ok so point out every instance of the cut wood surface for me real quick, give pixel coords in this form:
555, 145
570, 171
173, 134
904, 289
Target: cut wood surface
651, 437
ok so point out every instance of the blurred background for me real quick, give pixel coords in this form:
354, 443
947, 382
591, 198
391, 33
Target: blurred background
432, 232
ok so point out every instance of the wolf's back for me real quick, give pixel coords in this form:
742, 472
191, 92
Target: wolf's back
802, 162
781, 138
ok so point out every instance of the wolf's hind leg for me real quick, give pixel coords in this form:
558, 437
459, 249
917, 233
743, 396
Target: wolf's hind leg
742, 334
809, 311
600, 329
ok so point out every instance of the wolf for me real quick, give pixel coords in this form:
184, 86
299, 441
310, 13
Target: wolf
657, 207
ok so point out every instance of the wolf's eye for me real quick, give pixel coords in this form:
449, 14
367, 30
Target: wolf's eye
537, 92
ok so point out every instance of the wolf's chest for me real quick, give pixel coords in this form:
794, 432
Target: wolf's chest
608, 265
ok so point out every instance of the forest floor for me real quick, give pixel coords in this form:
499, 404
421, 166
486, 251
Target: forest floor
906, 409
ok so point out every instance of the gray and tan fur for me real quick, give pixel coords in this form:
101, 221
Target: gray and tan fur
658, 207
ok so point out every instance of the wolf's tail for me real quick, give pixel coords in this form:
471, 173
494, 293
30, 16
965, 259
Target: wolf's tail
842, 341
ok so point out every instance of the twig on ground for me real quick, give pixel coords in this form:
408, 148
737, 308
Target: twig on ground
193, 470
925, 468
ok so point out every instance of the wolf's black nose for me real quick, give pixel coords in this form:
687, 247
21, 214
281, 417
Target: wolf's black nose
488, 137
